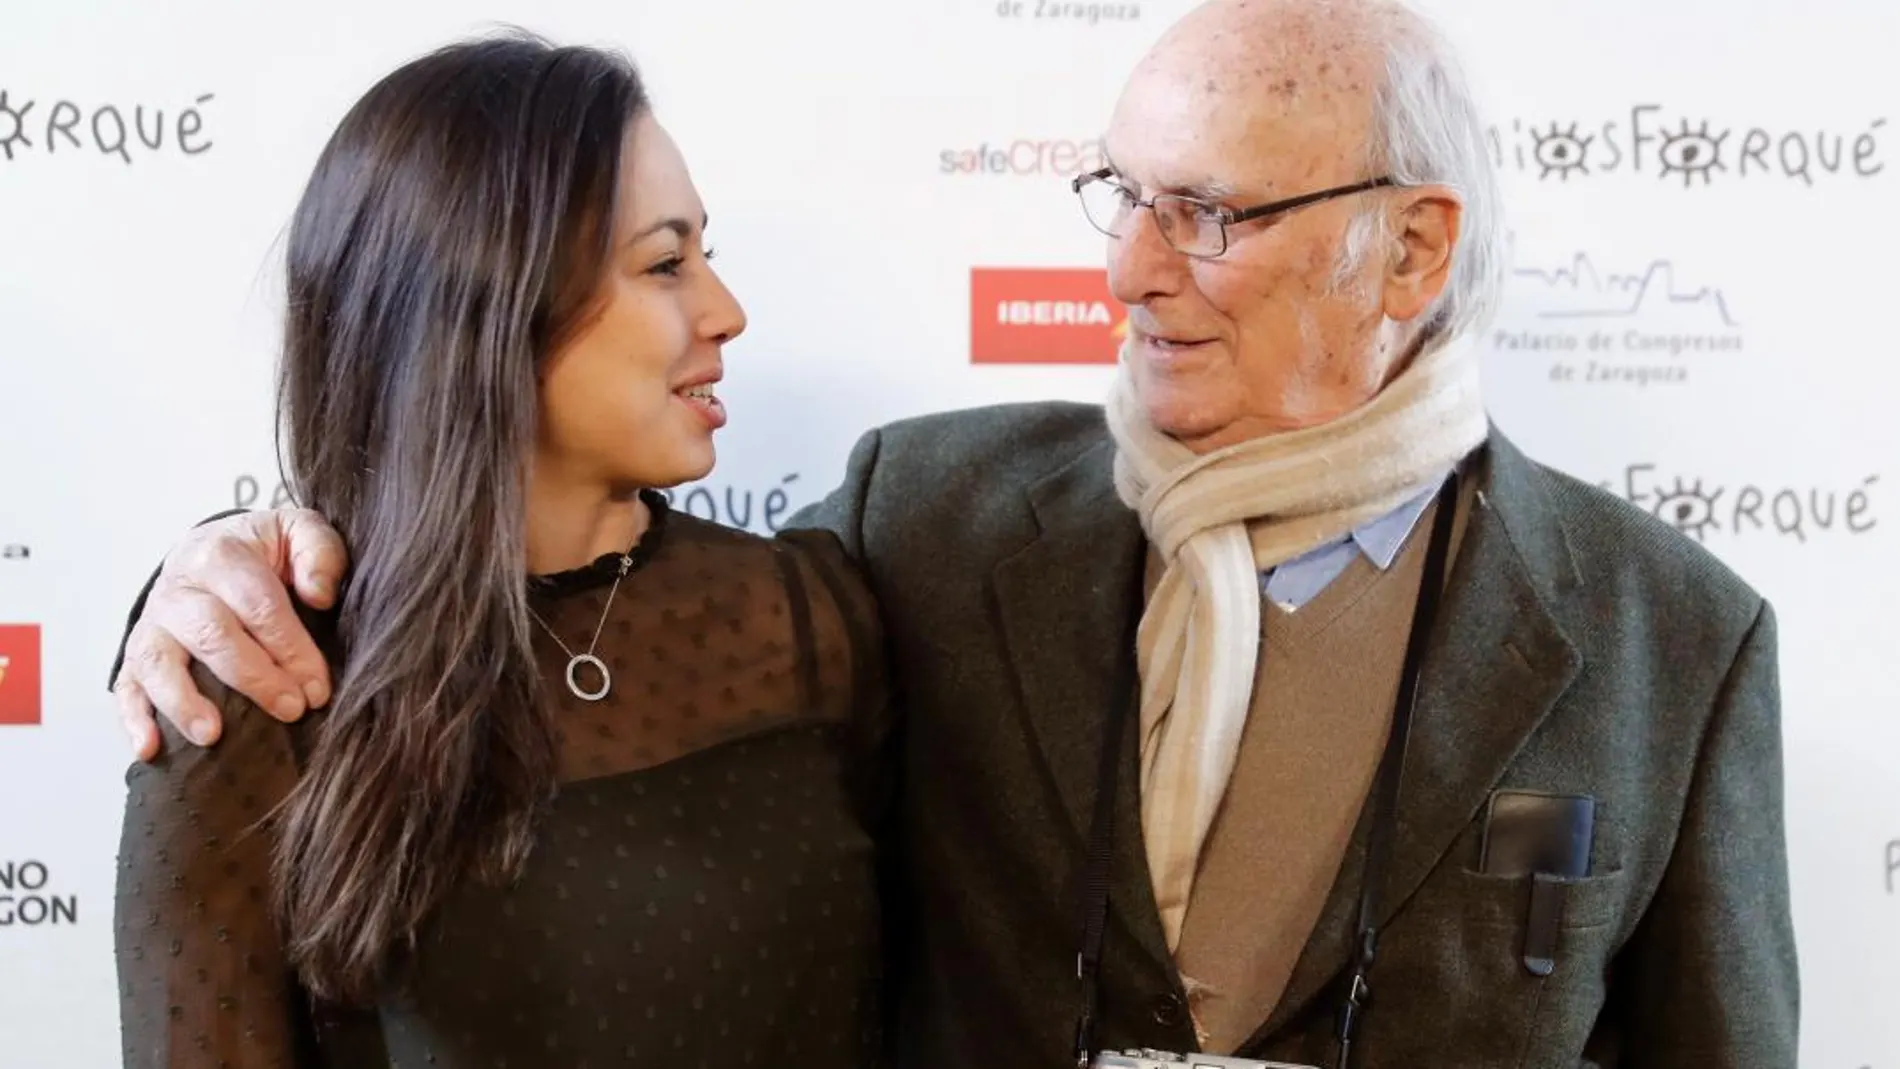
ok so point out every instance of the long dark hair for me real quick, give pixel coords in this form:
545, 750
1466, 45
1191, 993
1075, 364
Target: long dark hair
455, 229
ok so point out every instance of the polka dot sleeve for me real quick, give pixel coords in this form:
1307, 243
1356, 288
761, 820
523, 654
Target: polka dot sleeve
202, 975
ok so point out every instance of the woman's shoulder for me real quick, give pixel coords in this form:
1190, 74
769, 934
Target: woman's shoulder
252, 748
808, 565
250, 744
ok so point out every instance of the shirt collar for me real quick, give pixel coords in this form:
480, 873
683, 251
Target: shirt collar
1381, 539
1300, 580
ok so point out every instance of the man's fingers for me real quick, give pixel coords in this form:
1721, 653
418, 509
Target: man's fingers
160, 667
236, 573
311, 562
135, 715
200, 625
245, 563
222, 599
317, 556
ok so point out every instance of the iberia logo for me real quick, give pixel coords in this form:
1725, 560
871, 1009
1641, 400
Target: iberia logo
1044, 315
19, 674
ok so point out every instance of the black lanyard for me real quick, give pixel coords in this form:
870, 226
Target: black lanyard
1095, 878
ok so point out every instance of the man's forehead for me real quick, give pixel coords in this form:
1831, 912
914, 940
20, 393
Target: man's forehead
1212, 143
1257, 94
1162, 171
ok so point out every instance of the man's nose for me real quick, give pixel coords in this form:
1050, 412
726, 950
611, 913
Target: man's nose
1142, 264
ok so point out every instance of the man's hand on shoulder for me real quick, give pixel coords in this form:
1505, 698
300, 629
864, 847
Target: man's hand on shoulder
221, 599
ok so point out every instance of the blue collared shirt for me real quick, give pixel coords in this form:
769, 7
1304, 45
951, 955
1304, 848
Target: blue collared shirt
1300, 580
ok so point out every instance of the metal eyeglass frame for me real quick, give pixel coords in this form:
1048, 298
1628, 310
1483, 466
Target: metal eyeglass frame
1225, 216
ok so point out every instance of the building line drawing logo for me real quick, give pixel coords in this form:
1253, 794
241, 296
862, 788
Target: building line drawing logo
1642, 327
1623, 294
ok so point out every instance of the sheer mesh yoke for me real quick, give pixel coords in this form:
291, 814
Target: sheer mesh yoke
701, 893
722, 635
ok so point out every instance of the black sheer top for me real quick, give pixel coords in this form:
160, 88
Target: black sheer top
701, 894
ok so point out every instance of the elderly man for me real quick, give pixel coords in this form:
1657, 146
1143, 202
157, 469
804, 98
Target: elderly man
1280, 707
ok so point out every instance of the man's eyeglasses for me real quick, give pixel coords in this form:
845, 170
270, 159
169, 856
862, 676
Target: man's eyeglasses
1194, 227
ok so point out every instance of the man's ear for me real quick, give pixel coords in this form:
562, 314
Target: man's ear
1427, 226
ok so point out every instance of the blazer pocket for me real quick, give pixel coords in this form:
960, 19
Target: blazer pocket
1505, 901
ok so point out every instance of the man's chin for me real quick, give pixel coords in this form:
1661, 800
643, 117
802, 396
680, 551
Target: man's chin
1183, 418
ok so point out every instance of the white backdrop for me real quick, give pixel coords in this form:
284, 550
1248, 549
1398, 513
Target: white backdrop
1702, 196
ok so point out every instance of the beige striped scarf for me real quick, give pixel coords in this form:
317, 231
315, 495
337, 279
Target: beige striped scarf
1218, 521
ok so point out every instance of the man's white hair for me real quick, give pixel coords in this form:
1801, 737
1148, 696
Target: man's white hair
1426, 130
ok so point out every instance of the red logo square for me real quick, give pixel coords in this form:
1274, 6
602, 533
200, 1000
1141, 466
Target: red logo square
1044, 315
19, 673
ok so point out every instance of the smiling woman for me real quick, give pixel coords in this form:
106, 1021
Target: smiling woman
596, 779
627, 396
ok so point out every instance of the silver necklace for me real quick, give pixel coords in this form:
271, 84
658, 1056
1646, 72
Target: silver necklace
575, 661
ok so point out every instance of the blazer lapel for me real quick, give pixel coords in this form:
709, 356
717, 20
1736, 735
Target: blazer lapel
1069, 607
1497, 662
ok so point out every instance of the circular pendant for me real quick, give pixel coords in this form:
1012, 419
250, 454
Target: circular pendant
573, 681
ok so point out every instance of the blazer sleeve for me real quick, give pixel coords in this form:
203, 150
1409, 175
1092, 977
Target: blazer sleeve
883, 747
842, 512
203, 976
830, 534
1709, 978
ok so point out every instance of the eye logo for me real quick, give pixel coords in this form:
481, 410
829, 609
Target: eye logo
1692, 152
1562, 152
13, 125
1688, 507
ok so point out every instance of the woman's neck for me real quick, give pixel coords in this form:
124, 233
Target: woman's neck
571, 526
